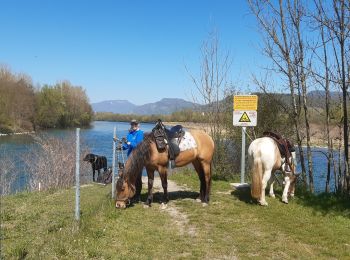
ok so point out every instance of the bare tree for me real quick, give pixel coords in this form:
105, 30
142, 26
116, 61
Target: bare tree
211, 85
279, 46
336, 20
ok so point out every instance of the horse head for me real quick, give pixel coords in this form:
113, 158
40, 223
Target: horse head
293, 175
124, 191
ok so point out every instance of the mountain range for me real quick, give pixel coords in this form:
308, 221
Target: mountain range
169, 105
164, 106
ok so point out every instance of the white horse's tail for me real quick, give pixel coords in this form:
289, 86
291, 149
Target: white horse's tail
257, 174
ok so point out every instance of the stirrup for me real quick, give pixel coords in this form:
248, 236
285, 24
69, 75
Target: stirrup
171, 164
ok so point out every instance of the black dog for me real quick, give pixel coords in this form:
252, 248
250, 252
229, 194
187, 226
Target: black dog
97, 163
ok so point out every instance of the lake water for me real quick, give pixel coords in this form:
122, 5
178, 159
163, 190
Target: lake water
98, 138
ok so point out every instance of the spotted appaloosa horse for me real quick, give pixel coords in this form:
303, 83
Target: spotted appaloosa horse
146, 154
264, 159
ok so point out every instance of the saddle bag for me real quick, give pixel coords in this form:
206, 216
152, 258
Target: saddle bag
159, 136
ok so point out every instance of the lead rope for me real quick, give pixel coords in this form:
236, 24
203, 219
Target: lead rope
246, 133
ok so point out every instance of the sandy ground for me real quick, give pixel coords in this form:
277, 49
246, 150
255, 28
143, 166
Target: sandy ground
179, 218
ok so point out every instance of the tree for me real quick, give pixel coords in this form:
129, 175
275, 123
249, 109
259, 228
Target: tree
211, 86
279, 26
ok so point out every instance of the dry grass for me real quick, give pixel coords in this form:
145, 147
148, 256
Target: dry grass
49, 163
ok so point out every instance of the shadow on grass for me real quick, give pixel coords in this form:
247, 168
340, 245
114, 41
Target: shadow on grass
175, 195
325, 203
243, 194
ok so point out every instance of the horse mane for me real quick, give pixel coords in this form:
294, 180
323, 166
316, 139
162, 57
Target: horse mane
139, 155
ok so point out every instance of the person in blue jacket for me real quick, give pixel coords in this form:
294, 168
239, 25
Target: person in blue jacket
134, 137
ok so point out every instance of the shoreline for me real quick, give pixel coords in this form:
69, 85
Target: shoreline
18, 133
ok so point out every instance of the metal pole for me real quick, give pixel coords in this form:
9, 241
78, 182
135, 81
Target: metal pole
113, 163
243, 155
77, 175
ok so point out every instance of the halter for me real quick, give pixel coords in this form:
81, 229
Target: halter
132, 187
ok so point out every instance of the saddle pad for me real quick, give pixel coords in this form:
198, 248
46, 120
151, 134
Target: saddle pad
187, 142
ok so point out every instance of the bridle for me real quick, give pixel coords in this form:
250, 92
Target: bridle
127, 200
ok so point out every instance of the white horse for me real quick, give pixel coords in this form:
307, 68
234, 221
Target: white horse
264, 159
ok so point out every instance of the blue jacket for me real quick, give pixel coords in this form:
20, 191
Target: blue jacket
134, 137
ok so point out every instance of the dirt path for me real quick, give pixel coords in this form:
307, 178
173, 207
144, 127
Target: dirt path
179, 218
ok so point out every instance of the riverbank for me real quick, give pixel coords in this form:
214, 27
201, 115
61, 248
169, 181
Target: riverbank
41, 225
18, 133
318, 136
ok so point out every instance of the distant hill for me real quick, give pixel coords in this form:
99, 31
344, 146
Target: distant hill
114, 106
164, 106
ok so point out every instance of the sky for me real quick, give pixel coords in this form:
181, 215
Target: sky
126, 50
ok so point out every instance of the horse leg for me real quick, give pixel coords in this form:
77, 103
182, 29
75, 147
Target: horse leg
198, 167
164, 179
271, 193
265, 179
150, 174
207, 176
138, 187
286, 189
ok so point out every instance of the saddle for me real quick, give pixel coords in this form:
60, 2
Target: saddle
285, 146
168, 137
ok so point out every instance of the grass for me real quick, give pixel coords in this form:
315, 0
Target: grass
41, 226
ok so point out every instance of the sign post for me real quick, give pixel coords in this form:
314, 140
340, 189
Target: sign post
243, 155
244, 114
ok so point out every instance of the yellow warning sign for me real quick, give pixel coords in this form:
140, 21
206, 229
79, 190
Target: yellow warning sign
244, 118
245, 102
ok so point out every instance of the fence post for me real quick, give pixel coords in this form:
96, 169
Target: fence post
113, 163
77, 175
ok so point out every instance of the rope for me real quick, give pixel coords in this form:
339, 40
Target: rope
245, 131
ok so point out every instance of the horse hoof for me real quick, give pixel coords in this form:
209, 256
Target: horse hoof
285, 200
146, 206
163, 206
198, 200
204, 204
272, 195
263, 203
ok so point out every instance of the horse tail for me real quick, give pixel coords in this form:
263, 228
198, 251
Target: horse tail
257, 179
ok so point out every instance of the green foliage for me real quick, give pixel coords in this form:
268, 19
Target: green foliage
16, 102
274, 114
23, 109
62, 105
186, 115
